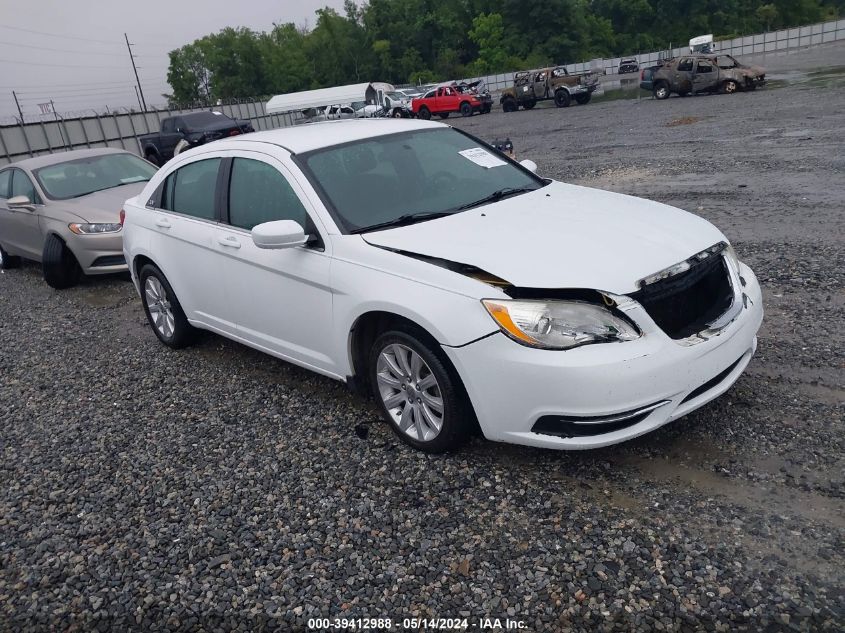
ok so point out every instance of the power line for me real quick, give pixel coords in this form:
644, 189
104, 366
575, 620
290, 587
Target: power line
58, 50
87, 83
67, 37
17, 61
79, 88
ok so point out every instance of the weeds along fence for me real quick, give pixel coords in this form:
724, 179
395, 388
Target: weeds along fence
119, 130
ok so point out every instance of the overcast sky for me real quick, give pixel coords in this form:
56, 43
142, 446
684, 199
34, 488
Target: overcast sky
73, 51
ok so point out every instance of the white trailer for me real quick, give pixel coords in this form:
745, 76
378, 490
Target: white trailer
365, 98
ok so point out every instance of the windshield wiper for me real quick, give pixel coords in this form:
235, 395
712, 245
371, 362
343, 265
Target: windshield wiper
497, 195
404, 220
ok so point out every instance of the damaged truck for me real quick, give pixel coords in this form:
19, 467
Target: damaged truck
531, 86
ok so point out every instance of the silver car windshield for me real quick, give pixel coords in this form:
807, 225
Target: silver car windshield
76, 178
423, 173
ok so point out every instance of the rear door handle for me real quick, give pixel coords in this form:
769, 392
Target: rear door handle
163, 223
230, 241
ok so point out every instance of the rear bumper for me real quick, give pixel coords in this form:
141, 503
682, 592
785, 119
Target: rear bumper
522, 395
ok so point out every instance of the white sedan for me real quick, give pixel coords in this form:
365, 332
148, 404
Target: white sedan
544, 313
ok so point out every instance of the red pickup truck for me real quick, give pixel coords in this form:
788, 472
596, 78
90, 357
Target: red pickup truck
443, 101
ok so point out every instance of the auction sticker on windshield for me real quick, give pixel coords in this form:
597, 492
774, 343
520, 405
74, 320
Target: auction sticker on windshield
481, 156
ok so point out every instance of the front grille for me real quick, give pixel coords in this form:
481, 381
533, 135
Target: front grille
684, 304
108, 260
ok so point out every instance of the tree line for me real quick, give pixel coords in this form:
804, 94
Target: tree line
414, 41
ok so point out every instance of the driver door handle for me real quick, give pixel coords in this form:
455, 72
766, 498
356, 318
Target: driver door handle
230, 241
163, 223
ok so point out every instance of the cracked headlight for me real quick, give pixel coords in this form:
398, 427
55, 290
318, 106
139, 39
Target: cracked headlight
559, 324
93, 229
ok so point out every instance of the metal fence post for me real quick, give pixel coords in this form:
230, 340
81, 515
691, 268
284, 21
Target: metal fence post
102, 130
117, 127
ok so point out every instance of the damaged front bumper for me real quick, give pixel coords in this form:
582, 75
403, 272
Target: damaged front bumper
598, 395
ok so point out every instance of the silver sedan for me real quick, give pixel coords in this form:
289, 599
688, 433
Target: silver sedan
63, 210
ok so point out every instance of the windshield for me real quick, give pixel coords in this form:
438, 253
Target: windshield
82, 176
381, 179
203, 119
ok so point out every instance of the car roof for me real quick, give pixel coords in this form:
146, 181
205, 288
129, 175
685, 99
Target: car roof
62, 157
311, 136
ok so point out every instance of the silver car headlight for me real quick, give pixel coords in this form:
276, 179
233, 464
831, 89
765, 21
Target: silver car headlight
93, 229
559, 324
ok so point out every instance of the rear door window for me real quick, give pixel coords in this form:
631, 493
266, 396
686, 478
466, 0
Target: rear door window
190, 189
685, 65
259, 193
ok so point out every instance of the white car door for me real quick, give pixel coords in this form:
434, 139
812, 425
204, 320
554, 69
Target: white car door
281, 300
183, 225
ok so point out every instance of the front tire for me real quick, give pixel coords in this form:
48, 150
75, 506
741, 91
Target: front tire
583, 99
562, 99
163, 310
510, 105
466, 109
58, 265
7, 261
424, 113
419, 394
661, 91
729, 87
529, 105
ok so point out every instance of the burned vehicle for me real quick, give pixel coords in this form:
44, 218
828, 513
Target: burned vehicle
531, 86
693, 74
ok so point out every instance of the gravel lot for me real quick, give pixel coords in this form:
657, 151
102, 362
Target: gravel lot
218, 488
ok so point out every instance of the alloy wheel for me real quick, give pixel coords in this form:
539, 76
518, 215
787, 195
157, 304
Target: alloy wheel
159, 307
410, 392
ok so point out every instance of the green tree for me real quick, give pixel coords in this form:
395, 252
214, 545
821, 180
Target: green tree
767, 14
488, 32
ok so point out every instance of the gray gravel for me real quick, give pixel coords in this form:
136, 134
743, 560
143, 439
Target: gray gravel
218, 488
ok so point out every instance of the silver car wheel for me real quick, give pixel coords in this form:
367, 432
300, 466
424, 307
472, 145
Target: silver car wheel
159, 307
662, 92
410, 392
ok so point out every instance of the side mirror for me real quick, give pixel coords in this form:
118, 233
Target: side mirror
530, 165
278, 234
20, 202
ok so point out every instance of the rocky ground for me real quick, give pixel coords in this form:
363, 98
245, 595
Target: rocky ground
218, 488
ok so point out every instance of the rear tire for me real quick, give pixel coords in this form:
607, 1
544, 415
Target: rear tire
466, 109
510, 105
424, 113
163, 310
434, 418
661, 90
153, 158
529, 105
397, 114
7, 262
58, 265
562, 99
583, 99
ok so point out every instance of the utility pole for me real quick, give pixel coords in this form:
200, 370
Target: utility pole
138, 81
138, 98
19, 105
58, 125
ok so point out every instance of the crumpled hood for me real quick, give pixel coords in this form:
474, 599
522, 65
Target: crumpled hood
752, 70
102, 206
561, 236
